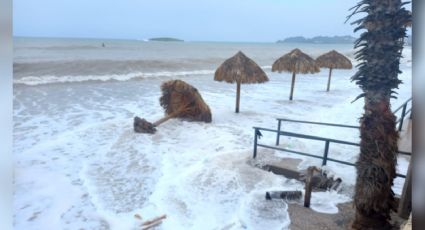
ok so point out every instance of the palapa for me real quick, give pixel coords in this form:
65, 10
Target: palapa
179, 100
333, 60
295, 62
240, 69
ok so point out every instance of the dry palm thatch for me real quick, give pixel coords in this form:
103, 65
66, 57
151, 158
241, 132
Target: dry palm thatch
184, 101
242, 70
179, 100
333, 60
295, 62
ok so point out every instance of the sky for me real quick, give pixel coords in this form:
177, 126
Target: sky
190, 20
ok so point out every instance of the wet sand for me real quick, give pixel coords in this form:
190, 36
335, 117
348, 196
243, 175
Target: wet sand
305, 218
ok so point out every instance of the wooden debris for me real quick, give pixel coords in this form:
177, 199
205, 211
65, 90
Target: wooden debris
137, 216
152, 225
179, 100
308, 185
286, 195
153, 222
320, 180
141, 125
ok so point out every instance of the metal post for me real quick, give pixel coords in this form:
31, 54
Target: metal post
405, 203
325, 155
278, 133
403, 113
255, 143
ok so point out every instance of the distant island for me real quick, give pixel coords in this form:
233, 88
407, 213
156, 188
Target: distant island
165, 39
320, 39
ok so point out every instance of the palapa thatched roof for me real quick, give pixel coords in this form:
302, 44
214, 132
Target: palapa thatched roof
178, 96
295, 61
334, 60
240, 68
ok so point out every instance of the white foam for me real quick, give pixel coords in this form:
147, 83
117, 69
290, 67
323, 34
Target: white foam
48, 79
76, 146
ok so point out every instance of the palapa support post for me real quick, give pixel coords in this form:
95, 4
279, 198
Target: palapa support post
168, 117
238, 95
329, 79
405, 203
333, 60
308, 186
295, 62
292, 86
240, 69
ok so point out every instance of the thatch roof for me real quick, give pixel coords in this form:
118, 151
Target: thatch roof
240, 68
182, 99
295, 61
334, 60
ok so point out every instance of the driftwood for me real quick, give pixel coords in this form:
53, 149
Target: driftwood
153, 222
151, 225
286, 195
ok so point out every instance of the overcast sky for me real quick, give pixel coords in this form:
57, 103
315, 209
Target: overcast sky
193, 20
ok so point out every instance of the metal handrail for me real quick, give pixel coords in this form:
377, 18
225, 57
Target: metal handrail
318, 123
399, 121
402, 105
327, 141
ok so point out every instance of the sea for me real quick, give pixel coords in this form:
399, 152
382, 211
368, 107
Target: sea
79, 165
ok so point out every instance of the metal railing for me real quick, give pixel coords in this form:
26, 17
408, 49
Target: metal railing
257, 134
404, 112
325, 158
403, 108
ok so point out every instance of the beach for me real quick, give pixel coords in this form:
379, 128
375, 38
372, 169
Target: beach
78, 163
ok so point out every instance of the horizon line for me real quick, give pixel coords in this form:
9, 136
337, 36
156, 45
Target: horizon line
146, 39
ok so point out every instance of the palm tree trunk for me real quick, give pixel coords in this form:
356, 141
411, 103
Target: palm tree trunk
329, 79
380, 49
374, 198
292, 86
238, 96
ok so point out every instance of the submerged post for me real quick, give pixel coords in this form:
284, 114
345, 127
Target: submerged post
278, 132
255, 142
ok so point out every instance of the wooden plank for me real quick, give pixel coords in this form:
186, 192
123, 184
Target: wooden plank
288, 173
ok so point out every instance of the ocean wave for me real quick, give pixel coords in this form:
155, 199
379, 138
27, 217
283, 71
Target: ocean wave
49, 79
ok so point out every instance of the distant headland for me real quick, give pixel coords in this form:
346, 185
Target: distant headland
165, 39
320, 39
